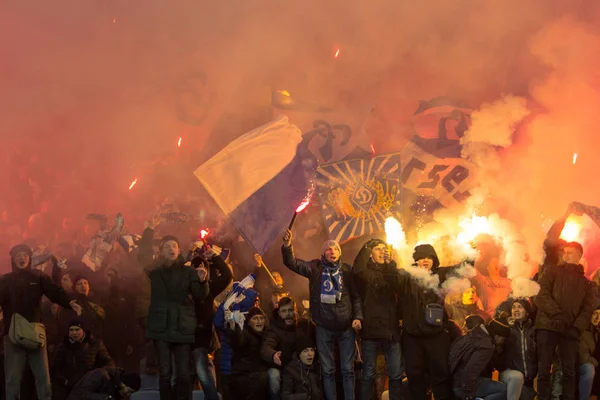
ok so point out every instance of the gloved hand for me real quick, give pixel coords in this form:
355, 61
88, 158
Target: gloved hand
573, 333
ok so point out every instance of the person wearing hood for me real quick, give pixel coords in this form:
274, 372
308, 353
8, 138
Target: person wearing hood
279, 343
107, 383
77, 355
172, 315
520, 359
589, 354
426, 338
375, 278
21, 293
301, 379
335, 307
565, 305
470, 356
249, 378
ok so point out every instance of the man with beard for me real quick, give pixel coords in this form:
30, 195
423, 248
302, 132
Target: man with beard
565, 305
21, 293
279, 343
375, 277
335, 308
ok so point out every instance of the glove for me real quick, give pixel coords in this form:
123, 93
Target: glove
573, 333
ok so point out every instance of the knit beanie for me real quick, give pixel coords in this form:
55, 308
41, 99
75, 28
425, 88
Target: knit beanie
20, 248
525, 303
473, 321
167, 238
331, 243
254, 311
77, 321
304, 341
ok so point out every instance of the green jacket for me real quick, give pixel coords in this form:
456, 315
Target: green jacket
172, 315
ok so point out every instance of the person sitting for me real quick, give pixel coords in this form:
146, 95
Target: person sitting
520, 359
469, 356
107, 383
78, 354
300, 379
249, 379
589, 350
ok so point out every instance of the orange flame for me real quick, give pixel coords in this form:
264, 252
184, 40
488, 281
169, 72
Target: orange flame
372, 148
302, 205
337, 53
574, 158
179, 142
571, 231
114, 20
133, 183
203, 233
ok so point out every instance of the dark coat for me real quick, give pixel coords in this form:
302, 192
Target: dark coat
336, 317
588, 343
73, 360
300, 382
206, 336
281, 337
98, 384
520, 350
249, 379
469, 357
27, 286
172, 314
565, 299
93, 315
377, 286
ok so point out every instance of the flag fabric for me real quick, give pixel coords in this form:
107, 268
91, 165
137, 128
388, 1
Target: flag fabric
259, 179
358, 195
330, 135
129, 242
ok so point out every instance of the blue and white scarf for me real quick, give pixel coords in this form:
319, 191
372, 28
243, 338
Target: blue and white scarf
331, 283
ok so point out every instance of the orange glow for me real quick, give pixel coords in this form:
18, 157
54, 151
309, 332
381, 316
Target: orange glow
337, 53
302, 205
473, 227
203, 233
284, 92
394, 233
114, 20
372, 148
571, 231
133, 183
574, 158
179, 142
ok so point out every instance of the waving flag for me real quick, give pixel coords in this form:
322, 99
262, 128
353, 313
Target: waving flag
358, 195
259, 179
330, 135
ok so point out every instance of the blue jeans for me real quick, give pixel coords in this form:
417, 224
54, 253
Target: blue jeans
205, 370
393, 358
586, 381
325, 346
486, 389
274, 383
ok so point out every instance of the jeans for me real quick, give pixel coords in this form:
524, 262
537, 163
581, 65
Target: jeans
393, 359
205, 370
514, 381
181, 353
15, 360
274, 383
427, 355
486, 389
325, 346
586, 381
568, 351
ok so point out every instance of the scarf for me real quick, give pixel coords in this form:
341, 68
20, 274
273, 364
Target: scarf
331, 282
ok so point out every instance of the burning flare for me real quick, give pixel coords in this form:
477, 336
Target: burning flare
394, 233
133, 183
179, 142
203, 233
473, 227
571, 231
574, 158
303, 205
337, 53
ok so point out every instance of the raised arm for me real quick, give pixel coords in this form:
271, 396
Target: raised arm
145, 253
301, 267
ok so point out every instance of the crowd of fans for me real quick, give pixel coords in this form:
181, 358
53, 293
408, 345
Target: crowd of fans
158, 307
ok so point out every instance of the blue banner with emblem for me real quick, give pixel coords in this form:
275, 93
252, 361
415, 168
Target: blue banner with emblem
357, 196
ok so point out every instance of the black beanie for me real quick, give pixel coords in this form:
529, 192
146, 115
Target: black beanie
304, 341
499, 327
525, 303
254, 311
426, 251
473, 321
167, 238
77, 321
20, 247
131, 380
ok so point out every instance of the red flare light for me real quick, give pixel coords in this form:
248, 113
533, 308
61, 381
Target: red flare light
337, 53
302, 206
133, 183
203, 233
572, 230
372, 148
179, 142
574, 158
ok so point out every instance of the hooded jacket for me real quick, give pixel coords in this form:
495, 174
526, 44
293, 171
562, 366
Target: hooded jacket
414, 297
73, 360
301, 382
565, 299
21, 291
173, 289
98, 384
378, 290
469, 358
520, 350
335, 317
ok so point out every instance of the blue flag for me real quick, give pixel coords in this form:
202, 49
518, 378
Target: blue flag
358, 195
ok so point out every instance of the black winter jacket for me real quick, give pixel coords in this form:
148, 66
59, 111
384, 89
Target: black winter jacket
520, 350
246, 350
335, 317
93, 315
377, 286
98, 384
73, 360
469, 357
21, 291
281, 337
300, 382
565, 299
